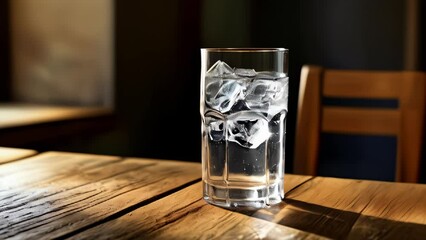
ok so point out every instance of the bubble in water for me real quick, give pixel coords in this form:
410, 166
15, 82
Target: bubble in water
248, 129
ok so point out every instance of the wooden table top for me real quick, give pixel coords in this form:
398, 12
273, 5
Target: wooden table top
82, 196
24, 114
22, 124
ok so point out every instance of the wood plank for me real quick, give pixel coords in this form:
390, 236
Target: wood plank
367, 227
292, 181
412, 104
341, 208
397, 201
184, 215
12, 154
28, 125
402, 202
362, 84
308, 121
395, 211
48, 167
361, 121
19, 114
54, 194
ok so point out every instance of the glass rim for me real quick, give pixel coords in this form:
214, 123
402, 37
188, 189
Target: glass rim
244, 49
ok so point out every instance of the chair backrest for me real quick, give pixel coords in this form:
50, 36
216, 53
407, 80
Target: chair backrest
405, 122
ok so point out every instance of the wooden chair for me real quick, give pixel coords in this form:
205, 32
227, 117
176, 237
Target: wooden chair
405, 122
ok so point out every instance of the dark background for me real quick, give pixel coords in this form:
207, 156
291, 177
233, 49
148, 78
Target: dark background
157, 60
4, 52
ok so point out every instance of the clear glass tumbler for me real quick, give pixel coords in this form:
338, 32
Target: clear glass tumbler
243, 106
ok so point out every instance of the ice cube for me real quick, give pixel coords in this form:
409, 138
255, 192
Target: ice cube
261, 92
268, 96
240, 105
227, 95
215, 130
245, 72
212, 89
248, 129
219, 69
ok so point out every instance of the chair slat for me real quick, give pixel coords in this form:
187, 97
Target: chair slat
361, 121
361, 84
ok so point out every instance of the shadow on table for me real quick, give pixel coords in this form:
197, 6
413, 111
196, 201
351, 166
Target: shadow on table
337, 224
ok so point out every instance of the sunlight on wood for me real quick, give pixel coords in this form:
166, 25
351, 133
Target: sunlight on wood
15, 114
11, 154
371, 198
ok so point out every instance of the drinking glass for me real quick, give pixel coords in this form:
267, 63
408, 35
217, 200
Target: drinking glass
243, 106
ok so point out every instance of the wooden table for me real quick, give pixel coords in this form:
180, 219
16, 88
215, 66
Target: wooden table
23, 124
82, 196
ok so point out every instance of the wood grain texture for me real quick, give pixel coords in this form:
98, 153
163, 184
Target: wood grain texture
308, 121
394, 201
412, 112
54, 194
343, 208
185, 215
28, 125
12, 154
367, 227
361, 121
83, 196
19, 114
362, 84
292, 181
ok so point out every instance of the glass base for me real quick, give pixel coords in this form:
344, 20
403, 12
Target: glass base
243, 197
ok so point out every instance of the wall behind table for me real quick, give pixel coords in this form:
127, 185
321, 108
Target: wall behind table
62, 51
4, 52
157, 77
